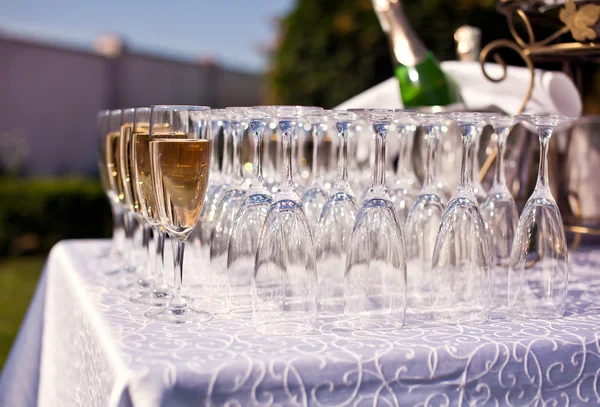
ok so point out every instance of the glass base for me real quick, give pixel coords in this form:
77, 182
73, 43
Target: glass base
241, 312
538, 313
375, 323
459, 318
139, 284
178, 315
108, 266
153, 298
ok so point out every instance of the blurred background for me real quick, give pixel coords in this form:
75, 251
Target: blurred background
63, 60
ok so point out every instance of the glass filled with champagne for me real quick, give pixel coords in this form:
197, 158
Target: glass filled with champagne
108, 125
180, 145
135, 260
144, 197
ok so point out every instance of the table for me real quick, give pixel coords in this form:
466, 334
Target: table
84, 344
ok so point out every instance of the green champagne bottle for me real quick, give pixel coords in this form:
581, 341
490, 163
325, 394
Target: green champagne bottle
422, 81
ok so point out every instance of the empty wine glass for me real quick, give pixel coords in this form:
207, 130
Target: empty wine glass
180, 143
315, 195
538, 274
218, 183
404, 191
284, 296
270, 157
334, 230
423, 222
375, 277
247, 226
364, 134
229, 205
500, 215
158, 293
114, 254
355, 175
461, 258
478, 189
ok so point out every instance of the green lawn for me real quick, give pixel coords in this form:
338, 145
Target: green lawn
18, 279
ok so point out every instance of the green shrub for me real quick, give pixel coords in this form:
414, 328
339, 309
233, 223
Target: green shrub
37, 213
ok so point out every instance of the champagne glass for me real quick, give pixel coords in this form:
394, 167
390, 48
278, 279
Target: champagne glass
315, 195
538, 273
284, 296
336, 221
141, 172
270, 157
478, 189
461, 257
500, 215
180, 143
247, 226
375, 277
106, 119
358, 143
229, 205
423, 222
131, 201
364, 131
404, 191
119, 123
219, 180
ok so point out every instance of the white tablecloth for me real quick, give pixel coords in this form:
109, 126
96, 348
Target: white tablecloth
84, 344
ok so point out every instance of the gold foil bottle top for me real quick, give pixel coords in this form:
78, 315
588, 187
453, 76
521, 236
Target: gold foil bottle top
468, 43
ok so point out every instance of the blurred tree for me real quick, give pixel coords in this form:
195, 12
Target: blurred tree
330, 50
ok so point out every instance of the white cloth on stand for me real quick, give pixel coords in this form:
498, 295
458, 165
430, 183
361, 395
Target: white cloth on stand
553, 92
98, 349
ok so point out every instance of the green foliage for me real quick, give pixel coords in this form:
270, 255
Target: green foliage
18, 279
37, 213
331, 50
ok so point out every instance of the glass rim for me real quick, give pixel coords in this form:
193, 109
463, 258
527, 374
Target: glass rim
197, 108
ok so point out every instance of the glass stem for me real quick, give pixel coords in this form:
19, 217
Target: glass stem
379, 170
401, 154
257, 172
238, 133
499, 176
431, 140
316, 175
215, 165
475, 154
467, 159
266, 158
226, 150
178, 249
341, 182
286, 187
544, 134
159, 256
404, 170
129, 223
118, 228
146, 245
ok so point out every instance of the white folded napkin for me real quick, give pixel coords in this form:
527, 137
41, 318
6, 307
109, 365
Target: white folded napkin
553, 92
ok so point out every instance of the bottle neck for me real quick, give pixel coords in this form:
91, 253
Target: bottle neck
407, 49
